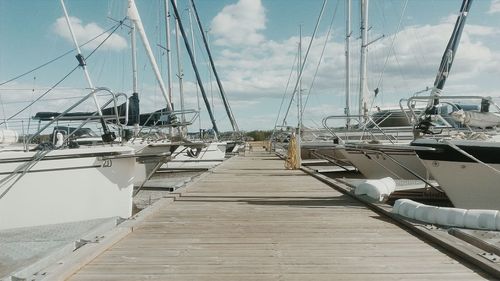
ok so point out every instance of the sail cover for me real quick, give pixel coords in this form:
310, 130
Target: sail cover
476, 118
133, 112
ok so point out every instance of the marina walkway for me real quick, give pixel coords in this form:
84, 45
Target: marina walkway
253, 220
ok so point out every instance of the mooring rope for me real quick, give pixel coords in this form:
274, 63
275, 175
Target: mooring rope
292, 162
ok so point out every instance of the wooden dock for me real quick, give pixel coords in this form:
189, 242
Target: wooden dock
250, 219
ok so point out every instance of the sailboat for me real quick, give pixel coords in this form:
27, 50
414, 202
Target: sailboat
398, 159
214, 151
61, 180
466, 168
52, 183
385, 125
152, 152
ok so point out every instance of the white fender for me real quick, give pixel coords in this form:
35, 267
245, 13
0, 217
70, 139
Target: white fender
59, 139
377, 189
472, 218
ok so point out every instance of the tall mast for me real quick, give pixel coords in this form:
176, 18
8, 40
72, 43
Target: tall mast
136, 19
299, 77
134, 59
135, 91
364, 44
301, 67
195, 68
299, 98
169, 50
194, 54
219, 83
180, 71
449, 53
347, 110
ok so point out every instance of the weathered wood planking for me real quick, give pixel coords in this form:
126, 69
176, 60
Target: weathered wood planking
253, 220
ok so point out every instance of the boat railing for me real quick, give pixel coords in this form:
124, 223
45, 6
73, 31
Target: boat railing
169, 118
165, 119
415, 111
409, 118
386, 115
325, 120
87, 119
368, 126
438, 121
443, 99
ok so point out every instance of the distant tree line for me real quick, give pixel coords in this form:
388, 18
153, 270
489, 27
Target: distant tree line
258, 135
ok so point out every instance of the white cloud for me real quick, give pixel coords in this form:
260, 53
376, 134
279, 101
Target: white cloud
255, 70
418, 52
85, 32
16, 96
495, 7
240, 24
260, 72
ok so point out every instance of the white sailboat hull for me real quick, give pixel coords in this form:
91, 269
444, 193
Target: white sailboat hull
311, 150
211, 155
468, 185
384, 163
148, 150
66, 186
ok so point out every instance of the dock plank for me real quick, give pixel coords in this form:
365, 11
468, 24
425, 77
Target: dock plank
260, 277
253, 220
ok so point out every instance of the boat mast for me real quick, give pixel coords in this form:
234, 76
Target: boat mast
299, 99
135, 91
169, 50
133, 43
195, 68
364, 44
180, 70
136, 19
347, 110
449, 54
301, 67
212, 64
194, 54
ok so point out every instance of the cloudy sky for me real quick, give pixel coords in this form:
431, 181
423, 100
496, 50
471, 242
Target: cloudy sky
254, 45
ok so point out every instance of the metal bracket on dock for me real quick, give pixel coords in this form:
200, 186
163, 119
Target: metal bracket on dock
490, 256
82, 242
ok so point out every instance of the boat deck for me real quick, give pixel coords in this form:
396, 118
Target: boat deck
250, 219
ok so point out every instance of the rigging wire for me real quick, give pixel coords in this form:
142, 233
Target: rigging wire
61, 56
391, 49
47, 99
321, 57
286, 89
40, 97
64, 78
302, 63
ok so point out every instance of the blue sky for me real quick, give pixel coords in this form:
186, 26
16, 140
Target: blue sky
254, 43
